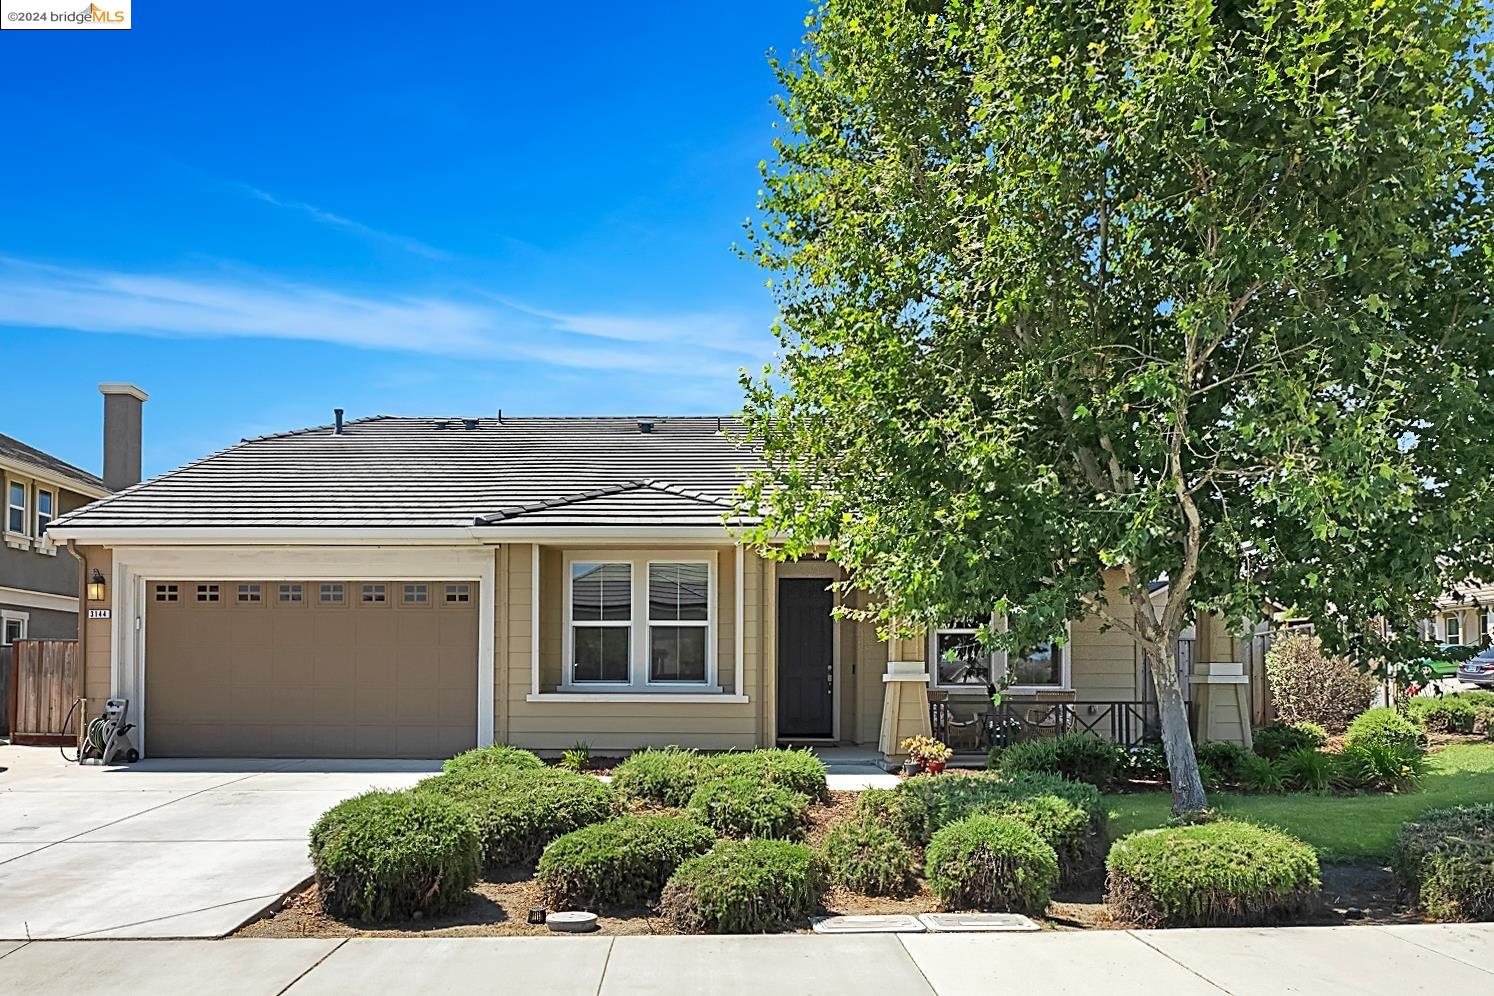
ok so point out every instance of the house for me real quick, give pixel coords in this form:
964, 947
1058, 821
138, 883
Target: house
1464, 617
394, 586
39, 582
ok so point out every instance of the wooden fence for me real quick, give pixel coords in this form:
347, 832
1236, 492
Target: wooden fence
6, 683
47, 679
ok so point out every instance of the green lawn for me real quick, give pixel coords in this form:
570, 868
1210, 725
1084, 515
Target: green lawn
1348, 828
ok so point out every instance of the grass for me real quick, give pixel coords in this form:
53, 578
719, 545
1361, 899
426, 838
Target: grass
1350, 829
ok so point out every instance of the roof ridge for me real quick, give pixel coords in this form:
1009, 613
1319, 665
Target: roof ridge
63, 467
669, 487
559, 502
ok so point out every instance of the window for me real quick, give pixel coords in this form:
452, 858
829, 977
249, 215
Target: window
960, 663
458, 593
16, 519
371, 593
331, 594
15, 627
1485, 625
415, 594
601, 622
249, 593
166, 593
1452, 629
678, 597
290, 593
44, 502
207, 593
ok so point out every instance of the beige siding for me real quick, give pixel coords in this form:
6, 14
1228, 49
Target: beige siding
1103, 664
98, 633
619, 725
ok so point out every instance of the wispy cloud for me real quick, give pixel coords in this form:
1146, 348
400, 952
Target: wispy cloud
357, 227
249, 305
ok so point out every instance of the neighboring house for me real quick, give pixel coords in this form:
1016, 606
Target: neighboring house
1465, 617
39, 582
414, 586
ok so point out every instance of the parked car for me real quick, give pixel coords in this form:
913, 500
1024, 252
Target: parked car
1442, 664
1478, 669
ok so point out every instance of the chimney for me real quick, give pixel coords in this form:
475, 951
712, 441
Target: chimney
122, 410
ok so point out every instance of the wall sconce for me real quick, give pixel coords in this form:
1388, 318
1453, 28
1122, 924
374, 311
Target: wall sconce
96, 586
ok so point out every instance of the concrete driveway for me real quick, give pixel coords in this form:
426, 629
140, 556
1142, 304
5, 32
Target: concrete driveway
162, 849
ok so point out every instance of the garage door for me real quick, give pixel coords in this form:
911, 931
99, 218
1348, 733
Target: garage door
310, 668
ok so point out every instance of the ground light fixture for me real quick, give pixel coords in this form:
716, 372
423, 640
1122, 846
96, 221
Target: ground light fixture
96, 586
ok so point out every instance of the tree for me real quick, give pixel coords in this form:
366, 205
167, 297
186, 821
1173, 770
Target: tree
1185, 290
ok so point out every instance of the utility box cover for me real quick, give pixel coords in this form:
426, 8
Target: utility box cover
972, 923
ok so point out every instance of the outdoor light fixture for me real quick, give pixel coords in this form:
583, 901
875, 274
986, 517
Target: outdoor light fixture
96, 586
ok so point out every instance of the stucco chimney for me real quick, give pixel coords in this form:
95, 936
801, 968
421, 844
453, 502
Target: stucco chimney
122, 411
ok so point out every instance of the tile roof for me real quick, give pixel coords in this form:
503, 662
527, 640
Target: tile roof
14, 449
398, 472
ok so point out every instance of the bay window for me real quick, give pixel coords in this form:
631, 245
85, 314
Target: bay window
639, 623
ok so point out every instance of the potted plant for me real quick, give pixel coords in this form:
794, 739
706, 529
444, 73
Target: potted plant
928, 754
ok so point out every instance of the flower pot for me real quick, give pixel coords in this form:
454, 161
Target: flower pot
936, 767
910, 767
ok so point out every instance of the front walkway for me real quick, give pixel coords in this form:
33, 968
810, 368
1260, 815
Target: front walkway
1354, 961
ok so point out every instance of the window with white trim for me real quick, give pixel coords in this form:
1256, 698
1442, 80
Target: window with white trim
16, 508
638, 623
679, 598
601, 613
46, 501
1452, 628
15, 626
960, 663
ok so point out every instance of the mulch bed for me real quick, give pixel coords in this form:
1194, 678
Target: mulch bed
1351, 894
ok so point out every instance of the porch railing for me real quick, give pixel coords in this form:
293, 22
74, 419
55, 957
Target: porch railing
1126, 722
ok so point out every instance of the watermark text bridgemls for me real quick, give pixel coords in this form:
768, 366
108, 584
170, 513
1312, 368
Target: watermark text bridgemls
64, 15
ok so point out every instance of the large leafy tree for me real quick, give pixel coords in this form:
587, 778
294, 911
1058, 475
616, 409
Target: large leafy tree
1114, 288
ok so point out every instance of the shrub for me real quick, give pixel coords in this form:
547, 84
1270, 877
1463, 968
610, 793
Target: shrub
1307, 684
1063, 826
1382, 767
796, 770
935, 801
394, 854
1283, 738
493, 756
623, 862
991, 863
1308, 770
743, 806
577, 758
1147, 762
1483, 721
667, 777
1447, 714
1384, 726
1446, 859
899, 812
1074, 756
745, 887
1227, 759
1260, 775
1221, 873
519, 811
869, 858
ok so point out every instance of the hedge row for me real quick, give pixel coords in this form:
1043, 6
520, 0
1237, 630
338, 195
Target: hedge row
669, 777
1445, 858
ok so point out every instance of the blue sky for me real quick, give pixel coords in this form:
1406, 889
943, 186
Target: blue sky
260, 217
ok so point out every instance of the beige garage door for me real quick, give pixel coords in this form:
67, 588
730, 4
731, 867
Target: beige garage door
310, 668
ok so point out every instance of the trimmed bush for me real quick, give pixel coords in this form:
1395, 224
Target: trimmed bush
796, 770
745, 887
667, 777
1278, 739
935, 801
991, 863
898, 811
1384, 726
1064, 827
1446, 859
1456, 713
868, 857
1219, 874
1307, 684
623, 862
382, 855
743, 806
519, 811
1074, 756
1227, 759
493, 756
1382, 767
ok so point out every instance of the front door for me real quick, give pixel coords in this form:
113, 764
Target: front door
806, 654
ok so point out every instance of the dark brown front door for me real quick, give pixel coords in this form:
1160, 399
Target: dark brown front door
806, 651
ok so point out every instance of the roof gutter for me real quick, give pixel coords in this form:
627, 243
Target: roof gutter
56, 477
351, 535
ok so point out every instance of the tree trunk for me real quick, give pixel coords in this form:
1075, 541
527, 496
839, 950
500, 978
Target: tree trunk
1187, 787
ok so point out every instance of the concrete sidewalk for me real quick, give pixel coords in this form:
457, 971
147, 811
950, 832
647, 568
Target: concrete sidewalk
1355, 961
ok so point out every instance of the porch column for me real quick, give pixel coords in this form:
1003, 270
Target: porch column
905, 699
1220, 692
